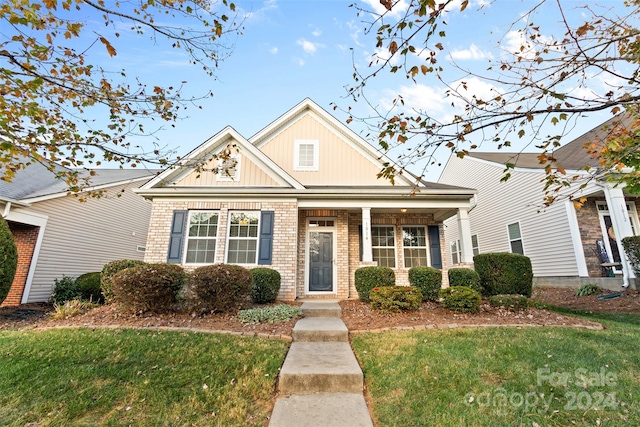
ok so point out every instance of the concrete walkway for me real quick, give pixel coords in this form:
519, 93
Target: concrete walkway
320, 382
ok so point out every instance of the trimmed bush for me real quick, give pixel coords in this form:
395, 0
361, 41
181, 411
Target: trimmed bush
64, 290
465, 277
631, 245
88, 285
460, 298
367, 278
265, 285
428, 280
504, 273
509, 302
147, 287
218, 287
8, 259
394, 299
111, 268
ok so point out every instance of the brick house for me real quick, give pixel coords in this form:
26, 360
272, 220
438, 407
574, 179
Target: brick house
567, 245
302, 197
58, 235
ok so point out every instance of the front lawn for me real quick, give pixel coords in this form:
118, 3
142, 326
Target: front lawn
528, 376
85, 377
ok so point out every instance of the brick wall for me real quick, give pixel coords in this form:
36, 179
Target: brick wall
25, 237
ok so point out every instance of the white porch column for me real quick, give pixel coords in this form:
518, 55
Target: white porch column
621, 226
367, 252
464, 228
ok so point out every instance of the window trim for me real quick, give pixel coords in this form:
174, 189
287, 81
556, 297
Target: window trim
296, 155
426, 247
395, 244
456, 251
256, 238
511, 240
475, 246
185, 249
222, 177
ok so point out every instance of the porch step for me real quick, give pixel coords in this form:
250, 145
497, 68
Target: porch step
321, 410
326, 308
320, 367
320, 329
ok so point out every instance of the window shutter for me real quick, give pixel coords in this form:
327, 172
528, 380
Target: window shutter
360, 240
177, 234
434, 246
266, 238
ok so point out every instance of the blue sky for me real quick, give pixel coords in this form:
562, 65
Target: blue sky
293, 49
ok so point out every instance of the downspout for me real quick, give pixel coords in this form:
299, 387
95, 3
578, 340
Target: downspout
7, 208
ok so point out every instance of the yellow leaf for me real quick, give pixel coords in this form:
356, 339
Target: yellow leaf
110, 49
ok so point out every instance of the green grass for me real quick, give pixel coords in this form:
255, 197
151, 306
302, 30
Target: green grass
548, 376
86, 377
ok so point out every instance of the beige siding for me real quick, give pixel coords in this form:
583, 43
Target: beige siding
80, 237
339, 163
545, 235
250, 175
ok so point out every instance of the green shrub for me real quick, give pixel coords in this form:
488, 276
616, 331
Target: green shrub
428, 280
393, 299
504, 273
460, 298
64, 290
111, 268
8, 259
367, 278
277, 313
265, 285
147, 287
631, 245
510, 302
218, 287
465, 277
88, 285
587, 289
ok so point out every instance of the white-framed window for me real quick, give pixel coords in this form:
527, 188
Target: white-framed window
456, 252
242, 243
202, 236
383, 245
515, 238
474, 244
305, 156
414, 244
229, 169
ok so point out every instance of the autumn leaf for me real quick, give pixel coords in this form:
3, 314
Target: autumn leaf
110, 49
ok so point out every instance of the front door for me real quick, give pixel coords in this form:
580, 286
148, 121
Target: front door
321, 261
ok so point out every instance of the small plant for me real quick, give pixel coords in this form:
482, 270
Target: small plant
631, 245
587, 289
367, 278
461, 298
428, 279
71, 308
464, 277
394, 299
109, 270
265, 285
88, 285
64, 290
510, 302
217, 287
277, 313
147, 287
8, 259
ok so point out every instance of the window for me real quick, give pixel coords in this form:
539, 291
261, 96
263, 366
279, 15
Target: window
229, 169
305, 156
201, 237
383, 245
456, 252
242, 247
474, 244
515, 238
414, 242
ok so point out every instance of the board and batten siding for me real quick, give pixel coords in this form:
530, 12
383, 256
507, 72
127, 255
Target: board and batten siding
81, 237
545, 235
250, 176
339, 163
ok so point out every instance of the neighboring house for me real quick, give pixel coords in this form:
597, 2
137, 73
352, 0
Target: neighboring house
58, 235
562, 239
302, 197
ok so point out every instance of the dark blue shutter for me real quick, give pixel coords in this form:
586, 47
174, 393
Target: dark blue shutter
360, 240
265, 243
434, 246
177, 234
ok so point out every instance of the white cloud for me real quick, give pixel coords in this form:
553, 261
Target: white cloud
473, 52
316, 33
273, 50
267, 5
309, 47
299, 61
398, 8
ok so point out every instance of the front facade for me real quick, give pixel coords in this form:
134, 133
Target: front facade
567, 244
301, 197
